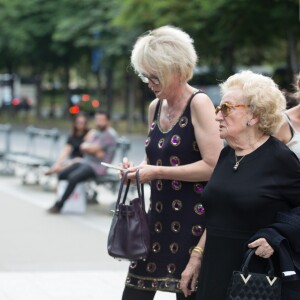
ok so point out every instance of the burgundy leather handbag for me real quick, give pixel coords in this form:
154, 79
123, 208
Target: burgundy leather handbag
129, 235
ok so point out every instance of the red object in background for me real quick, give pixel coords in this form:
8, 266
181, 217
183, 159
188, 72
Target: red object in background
85, 97
74, 110
95, 103
15, 101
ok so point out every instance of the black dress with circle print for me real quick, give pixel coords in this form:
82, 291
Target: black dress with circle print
176, 214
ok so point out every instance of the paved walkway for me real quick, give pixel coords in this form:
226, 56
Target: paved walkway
88, 285
46, 257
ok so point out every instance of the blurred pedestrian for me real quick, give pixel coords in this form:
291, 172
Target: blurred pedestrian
289, 132
256, 178
99, 145
71, 152
182, 148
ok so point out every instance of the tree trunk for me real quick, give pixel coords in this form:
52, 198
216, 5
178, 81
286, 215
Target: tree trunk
228, 60
109, 89
143, 102
66, 80
52, 100
98, 86
131, 106
39, 96
292, 52
127, 95
11, 80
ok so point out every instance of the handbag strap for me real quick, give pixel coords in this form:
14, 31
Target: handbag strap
249, 255
140, 188
124, 179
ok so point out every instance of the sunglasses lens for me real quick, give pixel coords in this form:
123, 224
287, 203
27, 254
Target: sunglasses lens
224, 110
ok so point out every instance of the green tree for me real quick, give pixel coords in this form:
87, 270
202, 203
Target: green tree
88, 25
27, 29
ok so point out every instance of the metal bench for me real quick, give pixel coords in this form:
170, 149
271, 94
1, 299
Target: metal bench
110, 179
5, 130
33, 158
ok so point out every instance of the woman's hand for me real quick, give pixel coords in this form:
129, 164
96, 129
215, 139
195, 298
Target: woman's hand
146, 172
264, 249
189, 276
126, 164
57, 167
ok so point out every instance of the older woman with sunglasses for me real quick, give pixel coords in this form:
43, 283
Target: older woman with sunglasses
256, 177
182, 148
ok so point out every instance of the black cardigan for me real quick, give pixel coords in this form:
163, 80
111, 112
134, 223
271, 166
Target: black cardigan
284, 237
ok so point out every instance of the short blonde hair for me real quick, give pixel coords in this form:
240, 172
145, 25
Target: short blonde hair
263, 95
163, 52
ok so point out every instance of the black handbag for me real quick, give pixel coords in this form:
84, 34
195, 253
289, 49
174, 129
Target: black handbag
129, 235
246, 285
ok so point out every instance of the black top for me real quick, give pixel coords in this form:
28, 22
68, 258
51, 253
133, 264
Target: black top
238, 203
75, 142
176, 213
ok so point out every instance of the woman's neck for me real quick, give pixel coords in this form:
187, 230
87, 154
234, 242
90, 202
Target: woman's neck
246, 145
177, 96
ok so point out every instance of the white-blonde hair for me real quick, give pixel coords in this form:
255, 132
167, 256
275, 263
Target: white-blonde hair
263, 95
164, 52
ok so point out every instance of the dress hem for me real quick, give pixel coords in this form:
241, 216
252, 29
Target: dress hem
165, 284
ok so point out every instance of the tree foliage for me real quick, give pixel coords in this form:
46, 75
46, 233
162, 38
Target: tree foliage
45, 35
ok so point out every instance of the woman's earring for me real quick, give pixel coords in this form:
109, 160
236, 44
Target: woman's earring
248, 123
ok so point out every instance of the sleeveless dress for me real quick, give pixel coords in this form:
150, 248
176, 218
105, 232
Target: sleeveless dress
176, 215
294, 142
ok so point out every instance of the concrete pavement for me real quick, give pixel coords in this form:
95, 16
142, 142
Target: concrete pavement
55, 257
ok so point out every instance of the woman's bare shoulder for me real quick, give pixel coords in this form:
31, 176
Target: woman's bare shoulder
284, 133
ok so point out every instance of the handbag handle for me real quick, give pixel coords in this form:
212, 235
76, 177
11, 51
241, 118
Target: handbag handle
124, 179
249, 255
140, 190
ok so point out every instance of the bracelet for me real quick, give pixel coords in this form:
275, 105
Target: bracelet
198, 250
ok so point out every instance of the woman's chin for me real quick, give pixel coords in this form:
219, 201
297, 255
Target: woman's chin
223, 135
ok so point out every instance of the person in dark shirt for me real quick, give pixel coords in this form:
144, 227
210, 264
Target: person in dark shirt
256, 178
98, 146
71, 151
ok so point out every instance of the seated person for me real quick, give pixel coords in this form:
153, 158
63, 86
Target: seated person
71, 152
99, 145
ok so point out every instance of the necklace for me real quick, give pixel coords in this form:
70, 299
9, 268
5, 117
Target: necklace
171, 115
237, 162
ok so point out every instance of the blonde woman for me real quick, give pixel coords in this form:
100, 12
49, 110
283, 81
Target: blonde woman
182, 148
